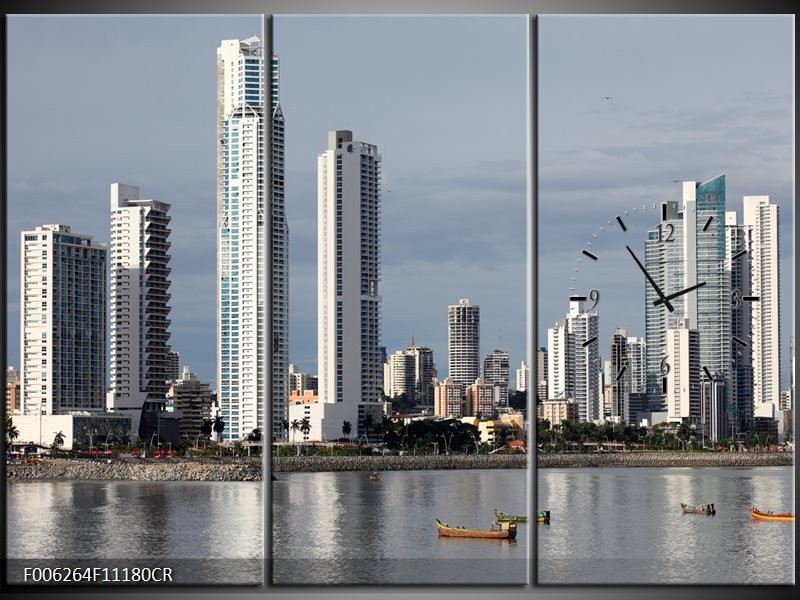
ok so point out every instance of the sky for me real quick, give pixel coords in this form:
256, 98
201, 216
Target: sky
449, 116
692, 97
94, 100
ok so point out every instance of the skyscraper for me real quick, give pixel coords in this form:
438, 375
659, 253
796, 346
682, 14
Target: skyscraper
464, 341
573, 367
63, 328
139, 304
761, 219
349, 361
740, 407
495, 372
523, 374
246, 287
682, 388
695, 254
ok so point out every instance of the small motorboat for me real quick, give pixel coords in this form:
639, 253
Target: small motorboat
374, 476
502, 517
543, 516
770, 516
703, 509
498, 531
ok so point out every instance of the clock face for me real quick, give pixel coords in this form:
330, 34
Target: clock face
653, 270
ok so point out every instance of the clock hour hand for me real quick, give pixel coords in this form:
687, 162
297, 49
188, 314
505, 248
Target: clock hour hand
661, 295
676, 294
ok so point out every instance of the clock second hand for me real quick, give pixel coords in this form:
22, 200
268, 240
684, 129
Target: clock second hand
676, 294
664, 299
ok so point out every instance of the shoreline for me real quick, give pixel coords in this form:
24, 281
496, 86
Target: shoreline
250, 468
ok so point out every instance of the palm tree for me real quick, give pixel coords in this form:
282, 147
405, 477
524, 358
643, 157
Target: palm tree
295, 428
58, 441
12, 433
254, 436
369, 421
305, 425
347, 427
218, 426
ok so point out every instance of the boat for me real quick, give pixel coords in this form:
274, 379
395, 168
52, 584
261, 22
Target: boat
543, 516
703, 509
374, 476
502, 517
770, 516
498, 531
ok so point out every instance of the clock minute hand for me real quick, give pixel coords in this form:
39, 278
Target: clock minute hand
664, 299
676, 294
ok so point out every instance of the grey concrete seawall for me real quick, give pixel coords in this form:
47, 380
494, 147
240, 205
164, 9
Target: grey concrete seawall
230, 469
250, 469
667, 459
398, 463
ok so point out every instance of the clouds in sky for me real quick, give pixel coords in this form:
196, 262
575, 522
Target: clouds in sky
445, 100
692, 97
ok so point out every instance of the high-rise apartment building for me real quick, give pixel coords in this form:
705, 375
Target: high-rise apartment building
400, 375
12, 391
349, 361
173, 365
247, 287
681, 384
760, 218
573, 367
449, 399
63, 322
193, 400
495, 372
464, 341
139, 305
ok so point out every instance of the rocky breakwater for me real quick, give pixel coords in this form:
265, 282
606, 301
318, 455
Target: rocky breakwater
666, 459
219, 469
398, 463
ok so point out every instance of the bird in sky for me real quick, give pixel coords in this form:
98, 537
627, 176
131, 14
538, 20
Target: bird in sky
608, 97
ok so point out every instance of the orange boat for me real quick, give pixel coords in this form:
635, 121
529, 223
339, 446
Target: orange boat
770, 516
499, 531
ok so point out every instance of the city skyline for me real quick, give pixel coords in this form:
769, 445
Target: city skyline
180, 168
453, 193
635, 143
449, 258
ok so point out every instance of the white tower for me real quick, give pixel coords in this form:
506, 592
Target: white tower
139, 302
244, 295
761, 218
348, 192
464, 341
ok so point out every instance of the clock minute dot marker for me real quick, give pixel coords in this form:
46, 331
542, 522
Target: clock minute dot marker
621, 371
589, 341
708, 373
738, 254
738, 341
621, 224
589, 254
711, 218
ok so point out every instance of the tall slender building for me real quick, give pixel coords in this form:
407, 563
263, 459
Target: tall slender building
760, 217
740, 408
574, 366
139, 305
349, 359
495, 372
464, 342
63, 328
247, 285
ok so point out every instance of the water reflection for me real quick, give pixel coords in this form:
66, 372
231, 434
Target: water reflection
626, 526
